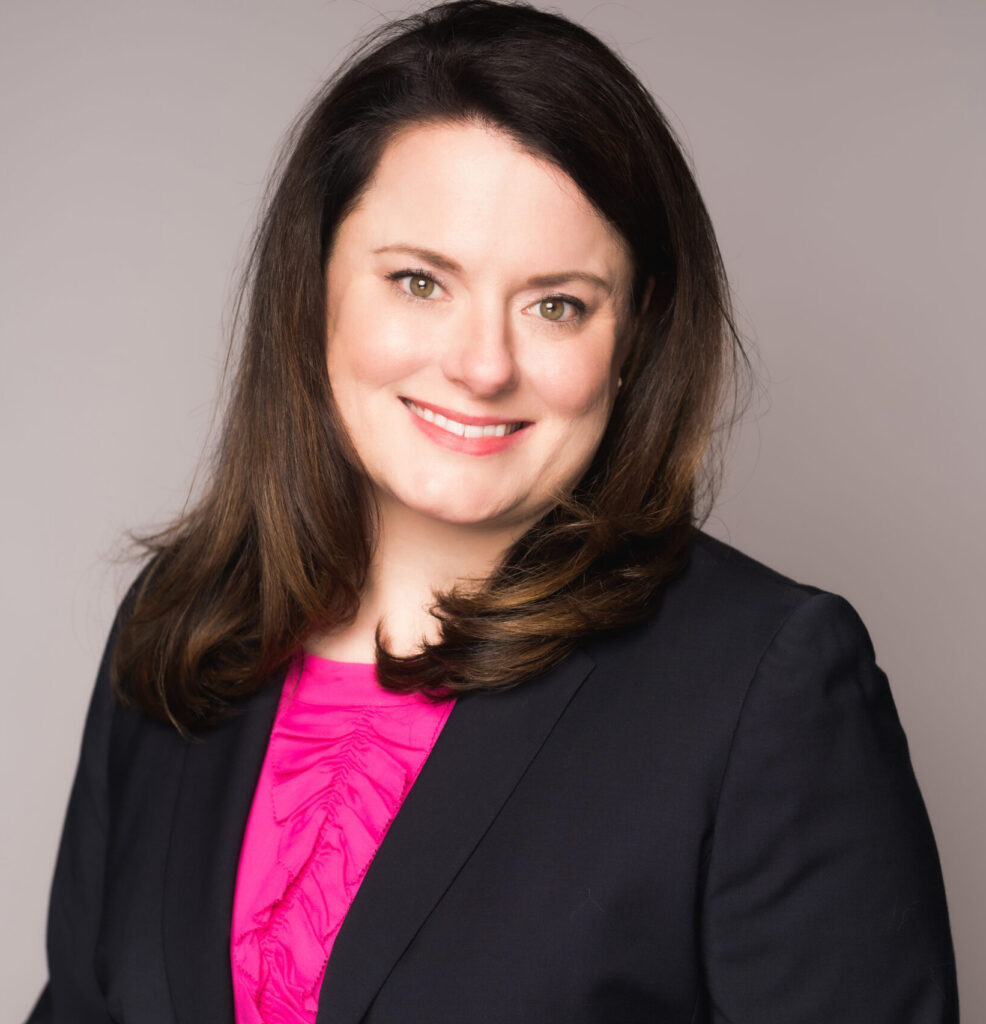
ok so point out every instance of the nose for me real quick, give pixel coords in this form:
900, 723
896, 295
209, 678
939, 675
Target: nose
480, 357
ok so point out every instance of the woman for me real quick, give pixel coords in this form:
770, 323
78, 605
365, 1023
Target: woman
438, 707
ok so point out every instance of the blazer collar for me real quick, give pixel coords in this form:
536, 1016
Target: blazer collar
484, 749
218, 781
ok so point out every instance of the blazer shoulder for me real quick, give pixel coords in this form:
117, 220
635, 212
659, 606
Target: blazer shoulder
714, 623
729, 598
737, 585
717, 564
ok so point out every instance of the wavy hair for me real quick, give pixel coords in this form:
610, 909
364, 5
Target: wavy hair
279, 545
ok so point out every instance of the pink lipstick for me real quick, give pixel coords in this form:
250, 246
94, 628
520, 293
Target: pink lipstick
461, 432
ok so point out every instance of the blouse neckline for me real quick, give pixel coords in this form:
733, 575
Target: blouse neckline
324, 682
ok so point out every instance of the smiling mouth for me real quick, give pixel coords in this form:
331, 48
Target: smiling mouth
464, 429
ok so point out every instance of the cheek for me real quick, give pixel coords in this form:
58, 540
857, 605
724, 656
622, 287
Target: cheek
366, 347
578, 383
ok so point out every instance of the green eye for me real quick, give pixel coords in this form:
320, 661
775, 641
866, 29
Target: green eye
552, 309
422, 287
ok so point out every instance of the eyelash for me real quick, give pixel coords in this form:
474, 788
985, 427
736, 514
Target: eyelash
577, 304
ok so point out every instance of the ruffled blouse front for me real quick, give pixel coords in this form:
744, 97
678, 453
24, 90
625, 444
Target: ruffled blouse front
342, 756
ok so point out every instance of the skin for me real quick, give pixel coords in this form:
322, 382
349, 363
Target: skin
437, 295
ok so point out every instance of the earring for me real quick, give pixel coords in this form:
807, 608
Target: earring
619, 383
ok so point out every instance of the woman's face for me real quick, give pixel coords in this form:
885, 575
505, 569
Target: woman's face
474, 305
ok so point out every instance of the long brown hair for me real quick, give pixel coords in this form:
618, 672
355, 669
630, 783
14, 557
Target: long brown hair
280, 543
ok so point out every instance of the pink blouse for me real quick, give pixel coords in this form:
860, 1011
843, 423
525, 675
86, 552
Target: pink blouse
343, 755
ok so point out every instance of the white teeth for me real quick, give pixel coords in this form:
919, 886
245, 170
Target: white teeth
462, 429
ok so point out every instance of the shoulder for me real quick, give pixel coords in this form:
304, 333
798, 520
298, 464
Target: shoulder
724, 611
725, 628
730, 591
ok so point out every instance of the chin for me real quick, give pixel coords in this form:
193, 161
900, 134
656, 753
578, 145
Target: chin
458, 510
469, 517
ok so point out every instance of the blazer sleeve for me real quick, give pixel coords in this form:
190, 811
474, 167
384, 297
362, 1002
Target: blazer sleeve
824, 899
75, 907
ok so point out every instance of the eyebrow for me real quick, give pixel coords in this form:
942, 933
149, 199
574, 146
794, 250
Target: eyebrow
540, 281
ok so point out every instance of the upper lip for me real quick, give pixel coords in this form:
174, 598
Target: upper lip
462, 417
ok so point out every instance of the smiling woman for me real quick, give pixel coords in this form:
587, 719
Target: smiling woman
439, 706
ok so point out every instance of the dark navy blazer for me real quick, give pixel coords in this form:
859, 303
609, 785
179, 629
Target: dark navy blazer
710, 817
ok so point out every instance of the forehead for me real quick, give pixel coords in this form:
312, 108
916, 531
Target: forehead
473, 191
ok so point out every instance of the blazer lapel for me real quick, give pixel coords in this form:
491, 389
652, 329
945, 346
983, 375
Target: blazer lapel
485, 747
218, 781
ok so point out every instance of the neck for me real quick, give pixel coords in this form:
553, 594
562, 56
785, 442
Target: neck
415, 558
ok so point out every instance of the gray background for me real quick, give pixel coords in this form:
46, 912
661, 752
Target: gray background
840, 147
